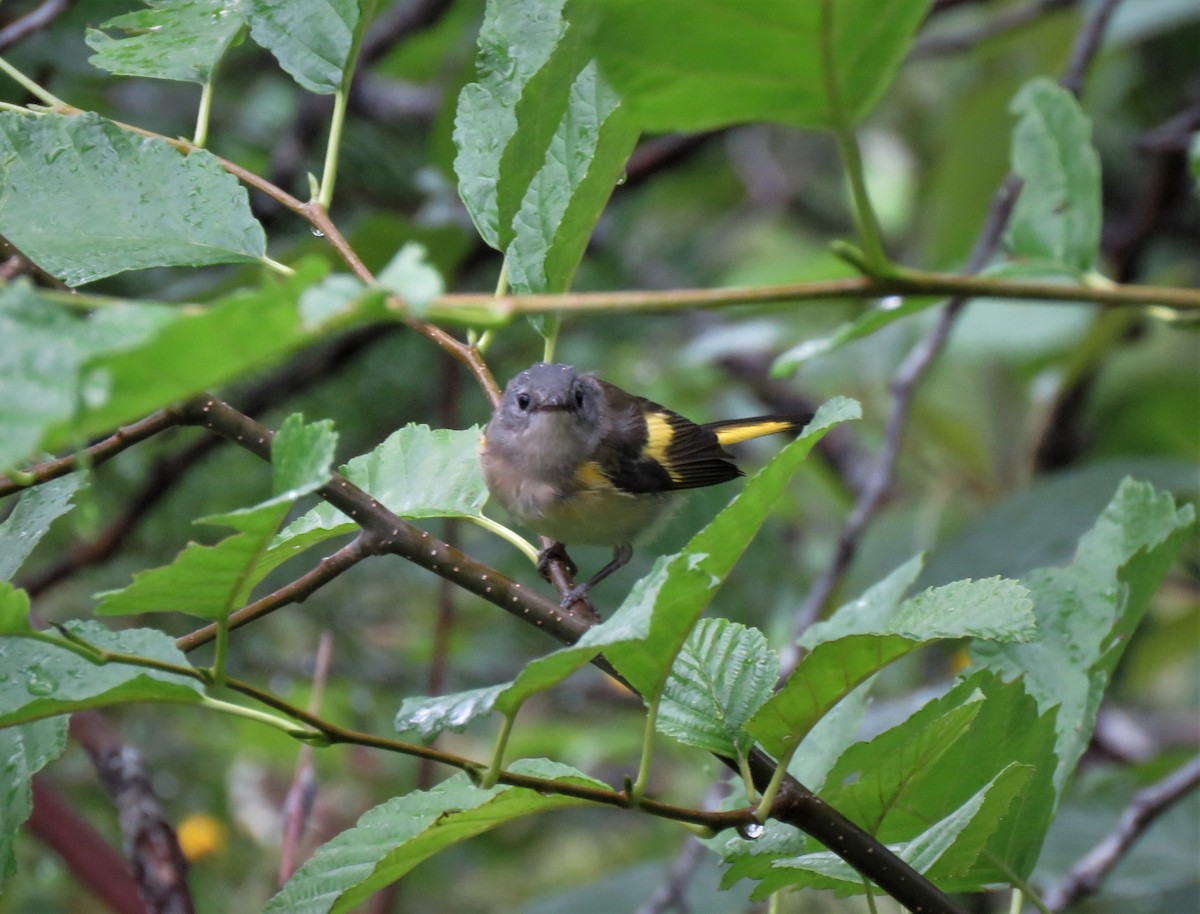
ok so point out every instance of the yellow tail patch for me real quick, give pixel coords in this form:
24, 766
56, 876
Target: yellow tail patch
732, 434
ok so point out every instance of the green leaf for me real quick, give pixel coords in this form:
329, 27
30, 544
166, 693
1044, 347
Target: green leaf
301, 457
723, 674
199, 350
874, 631
430, 715
14, 611
1087, 611
887, 311
44, 679
24, 751
542, 140
173, 39
394, 837
85, 199
416, 472
666, 602
208, 582
941, 847
45, 346
688, 65
30, 520
311, 39
1057, 215
410, 275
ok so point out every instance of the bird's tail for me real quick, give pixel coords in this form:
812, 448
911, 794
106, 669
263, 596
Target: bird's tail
732, 431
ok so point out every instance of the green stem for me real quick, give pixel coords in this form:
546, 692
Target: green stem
30, 86
864, 215
643, 775
743, 762
262, 717
504, 533
870, 896
768, 798
204, 112
550, 336
281, 268
492, 775
333, 146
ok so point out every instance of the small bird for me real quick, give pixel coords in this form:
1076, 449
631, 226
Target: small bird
582, 461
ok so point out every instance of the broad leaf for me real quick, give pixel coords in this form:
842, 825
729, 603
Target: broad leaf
14, 611
45, 346
542, 140
311, 39
24, 751
723, 674
416, 472
430, 715
160, 207
667, 601
30, 520
301, 457
173, 39
1087, 611
410, 275
871, 633
42, 679
702, 64
392, 838
1057, 215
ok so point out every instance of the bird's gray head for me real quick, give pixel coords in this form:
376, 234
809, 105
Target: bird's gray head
551, 413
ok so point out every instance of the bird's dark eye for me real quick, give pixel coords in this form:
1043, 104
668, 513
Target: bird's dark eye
523, 401
578, 396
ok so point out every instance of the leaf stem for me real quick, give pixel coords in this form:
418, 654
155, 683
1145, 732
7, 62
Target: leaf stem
45, 95
333, 145
864, 215
504, 533
643, 775
204, 111
492, 775
763, 810
262, 717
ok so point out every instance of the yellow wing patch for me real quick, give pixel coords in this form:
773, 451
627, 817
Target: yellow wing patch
659, 435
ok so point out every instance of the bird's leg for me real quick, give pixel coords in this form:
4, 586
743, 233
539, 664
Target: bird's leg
555, 552
621, 556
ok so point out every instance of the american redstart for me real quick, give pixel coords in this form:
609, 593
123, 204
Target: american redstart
582, 461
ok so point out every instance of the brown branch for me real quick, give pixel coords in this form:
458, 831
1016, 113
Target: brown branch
158, 864
90, 859
383, 531
1147, 805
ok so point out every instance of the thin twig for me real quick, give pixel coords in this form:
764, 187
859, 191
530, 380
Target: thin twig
1147, 805
20, 29
1009, 20
297, 806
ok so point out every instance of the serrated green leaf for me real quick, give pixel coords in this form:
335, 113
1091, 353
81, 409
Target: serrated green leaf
723, 674
45, 346
24, 751
392, 838
311, 39
683, 65
301, 456
85, 199
874, 631
326, 303
1086, 612
410, 275
429, 715
1057, 215
541, 141
30, 520
42, 679
173, 39
208, 582
416, 472
943, 846
666, 602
